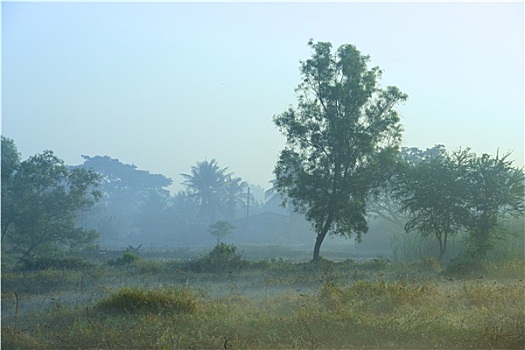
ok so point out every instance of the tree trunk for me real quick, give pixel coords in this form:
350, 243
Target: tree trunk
321, 235
317, 247
441, 251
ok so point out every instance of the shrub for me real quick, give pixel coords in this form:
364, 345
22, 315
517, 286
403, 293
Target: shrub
161, 300
464, 267
223, 257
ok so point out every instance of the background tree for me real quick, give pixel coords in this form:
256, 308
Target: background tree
125, 190
221, 229
445, 194
186, 207
207, 184
156, 218
235, 195
430, 192
10, 164
390, 219
46, 197
495, 192
342, 140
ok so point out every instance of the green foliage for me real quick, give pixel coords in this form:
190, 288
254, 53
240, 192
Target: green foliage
448, 193
40, 202
433, 197
495, 192
342, 140
126, 259
163, 300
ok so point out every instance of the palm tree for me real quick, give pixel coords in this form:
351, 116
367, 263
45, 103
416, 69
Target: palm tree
207, 184
234, 195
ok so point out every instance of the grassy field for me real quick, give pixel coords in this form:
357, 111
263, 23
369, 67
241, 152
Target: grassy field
232, 303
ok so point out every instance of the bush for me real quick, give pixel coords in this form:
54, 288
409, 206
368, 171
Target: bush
464, 267
223, 257
157, 301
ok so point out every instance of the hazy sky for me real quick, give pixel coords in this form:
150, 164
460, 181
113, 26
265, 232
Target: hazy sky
164, 85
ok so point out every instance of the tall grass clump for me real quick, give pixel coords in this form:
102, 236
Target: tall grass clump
137, 299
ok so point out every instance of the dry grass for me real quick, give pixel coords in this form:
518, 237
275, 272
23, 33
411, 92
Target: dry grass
297, 306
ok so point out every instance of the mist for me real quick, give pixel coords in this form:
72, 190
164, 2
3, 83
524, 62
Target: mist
262, 175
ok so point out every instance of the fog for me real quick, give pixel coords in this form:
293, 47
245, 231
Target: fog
144, 206
164, 85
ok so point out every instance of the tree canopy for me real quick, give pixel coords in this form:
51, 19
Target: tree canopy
448, 193
341, 141
125, 190
217, 192
41, 200
116, 176
430, 193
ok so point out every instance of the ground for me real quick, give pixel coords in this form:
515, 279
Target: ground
173, 303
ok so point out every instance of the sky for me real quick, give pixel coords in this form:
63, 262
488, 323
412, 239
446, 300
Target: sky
165, 85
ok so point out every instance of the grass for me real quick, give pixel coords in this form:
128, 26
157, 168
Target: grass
160, 300
268, 304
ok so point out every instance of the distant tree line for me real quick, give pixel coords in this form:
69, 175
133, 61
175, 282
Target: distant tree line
49, 206
342, 164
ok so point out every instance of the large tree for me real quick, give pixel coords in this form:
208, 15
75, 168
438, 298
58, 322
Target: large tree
342, 140
44, 198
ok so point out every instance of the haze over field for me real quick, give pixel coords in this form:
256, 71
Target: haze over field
164, 85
